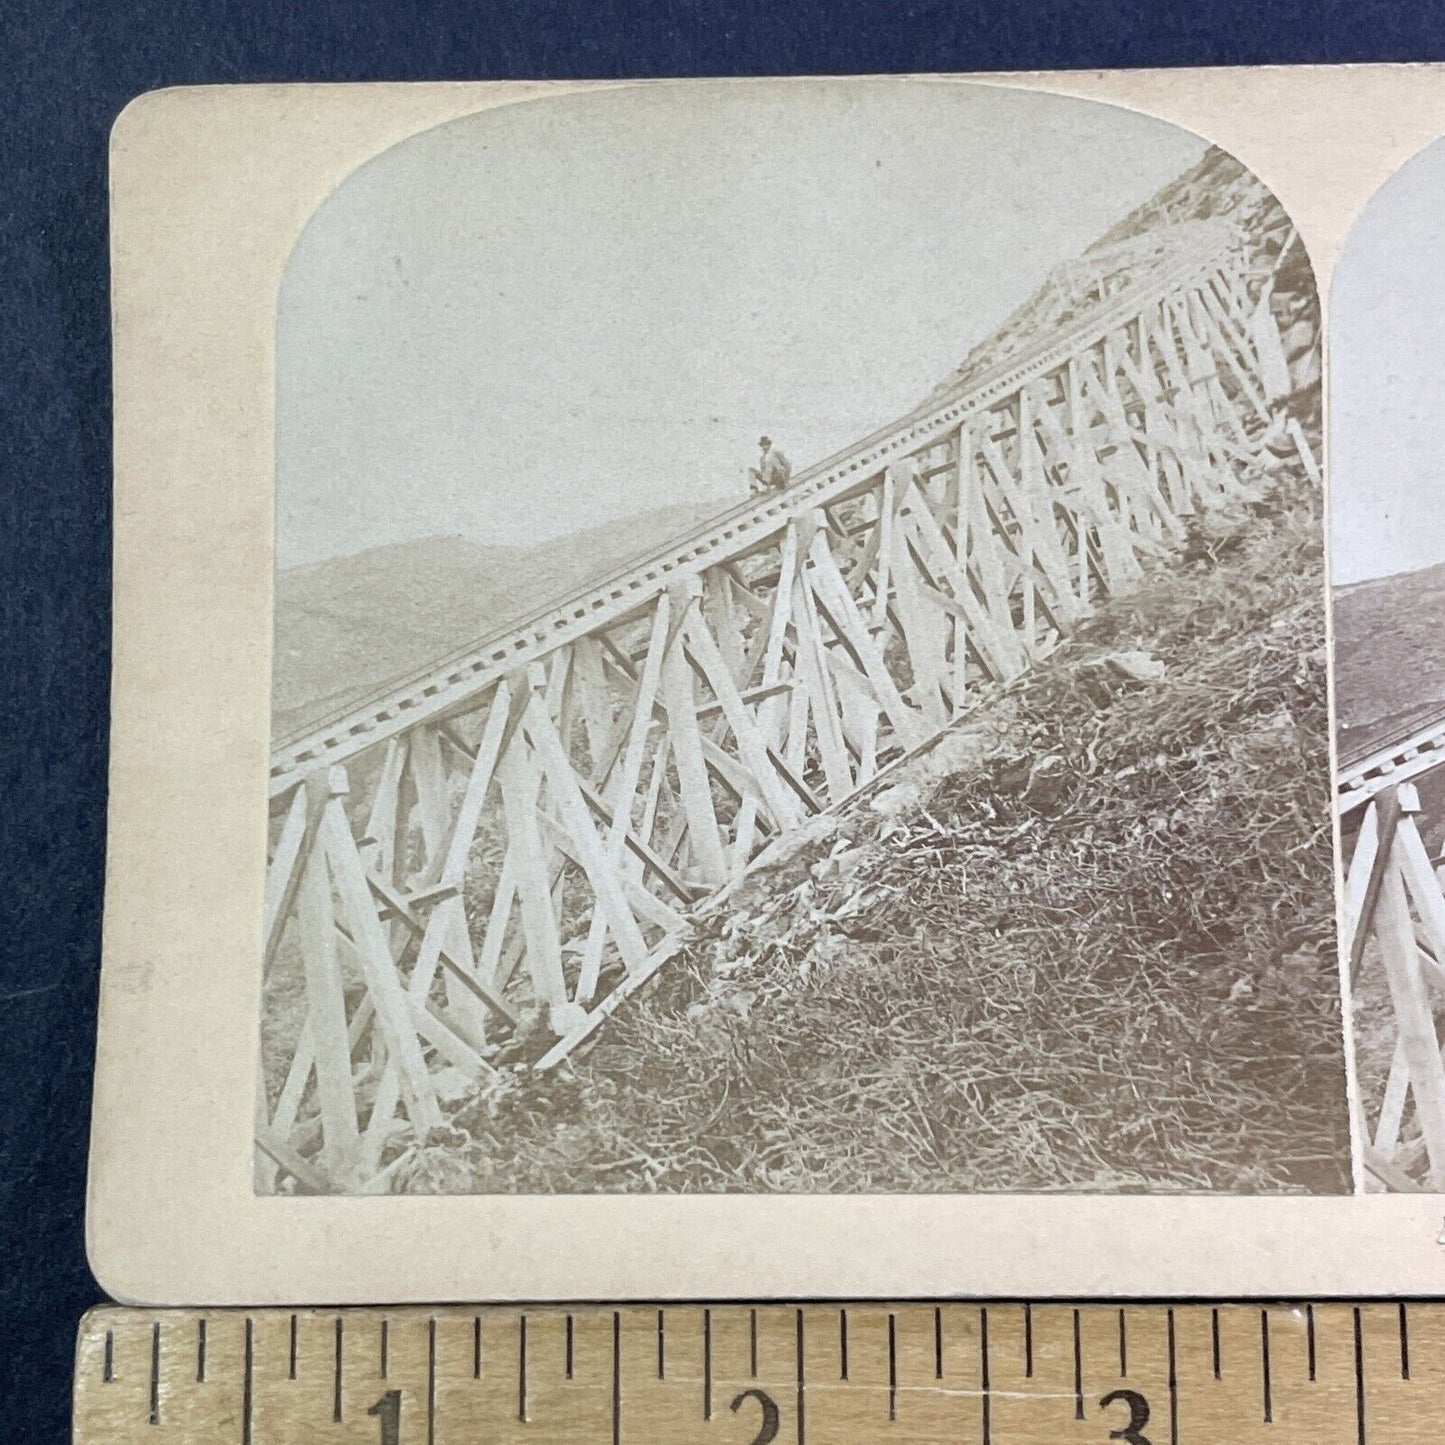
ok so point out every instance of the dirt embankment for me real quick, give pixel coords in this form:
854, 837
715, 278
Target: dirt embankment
1085, 943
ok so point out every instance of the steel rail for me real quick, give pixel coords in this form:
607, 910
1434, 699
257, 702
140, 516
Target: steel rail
449, 683
1398, 762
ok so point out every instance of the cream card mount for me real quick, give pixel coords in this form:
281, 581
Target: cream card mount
722, 689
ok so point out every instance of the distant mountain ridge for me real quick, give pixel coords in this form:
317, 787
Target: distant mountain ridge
1389, 658
348, 626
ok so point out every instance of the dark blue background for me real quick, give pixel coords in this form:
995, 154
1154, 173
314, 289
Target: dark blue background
69, 68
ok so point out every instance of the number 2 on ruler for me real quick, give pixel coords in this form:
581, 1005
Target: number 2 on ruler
771, 1421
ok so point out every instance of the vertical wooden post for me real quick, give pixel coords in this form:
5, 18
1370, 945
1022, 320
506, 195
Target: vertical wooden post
921, 625
887, 502
1202, 454
722, 617
822, 698
379, 842
597, 862
283, 872
680, 698
446, 929
1395, 930
963, 505
1120, 564
393, 1013
624, 788
987, 555
1392, 1106
520, 779
498, 921
1357, 879
559, 687
594, 700
826, 579
771, 715
1043, 520
751, 746
433, 811
326, 1022
1214, 340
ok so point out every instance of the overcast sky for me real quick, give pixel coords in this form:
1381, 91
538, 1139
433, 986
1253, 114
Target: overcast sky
549, 315
1387, 379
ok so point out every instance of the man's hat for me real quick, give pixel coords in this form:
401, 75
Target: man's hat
765, 441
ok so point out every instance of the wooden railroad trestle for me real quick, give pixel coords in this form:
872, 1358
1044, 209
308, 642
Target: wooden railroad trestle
510, 845
1394, 923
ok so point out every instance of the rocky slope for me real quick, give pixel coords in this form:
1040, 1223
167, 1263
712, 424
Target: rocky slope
1084, 943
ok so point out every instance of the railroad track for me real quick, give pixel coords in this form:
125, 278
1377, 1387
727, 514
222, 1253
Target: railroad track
1416, 748
450, 680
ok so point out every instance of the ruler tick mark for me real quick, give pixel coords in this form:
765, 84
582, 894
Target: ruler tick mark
1310, 1339
937, 1342
1404, 1344
1359, 1381
109, 1371
707, 1364
752, 1344
1264, 1365
200, 1352
156, 1373
431, 1381
842, 1344
1214, 1338
892, 1368
1173, 1379
247, 1370
1123, 1349
987, 1403
291, 1365
385, 1344
616, 1378
476, 1347
1078, 1370
1028, 1342
569, 1347
336, 1398
661, 1348
800, 1379
522, 1368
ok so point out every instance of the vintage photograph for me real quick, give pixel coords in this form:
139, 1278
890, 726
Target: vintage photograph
1387, 554
800, 666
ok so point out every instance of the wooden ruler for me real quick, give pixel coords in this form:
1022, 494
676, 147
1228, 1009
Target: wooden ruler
966, 1374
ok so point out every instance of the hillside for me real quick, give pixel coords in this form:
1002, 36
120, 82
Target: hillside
1389, 662
1215, 186
348, 626
1114, 974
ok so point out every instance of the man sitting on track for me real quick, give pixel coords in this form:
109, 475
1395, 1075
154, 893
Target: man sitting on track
773, 469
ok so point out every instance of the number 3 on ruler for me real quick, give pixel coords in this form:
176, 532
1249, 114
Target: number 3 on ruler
1133, 1432
388, 1410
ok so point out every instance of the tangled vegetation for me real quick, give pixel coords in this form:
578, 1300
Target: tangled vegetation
1084, 943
